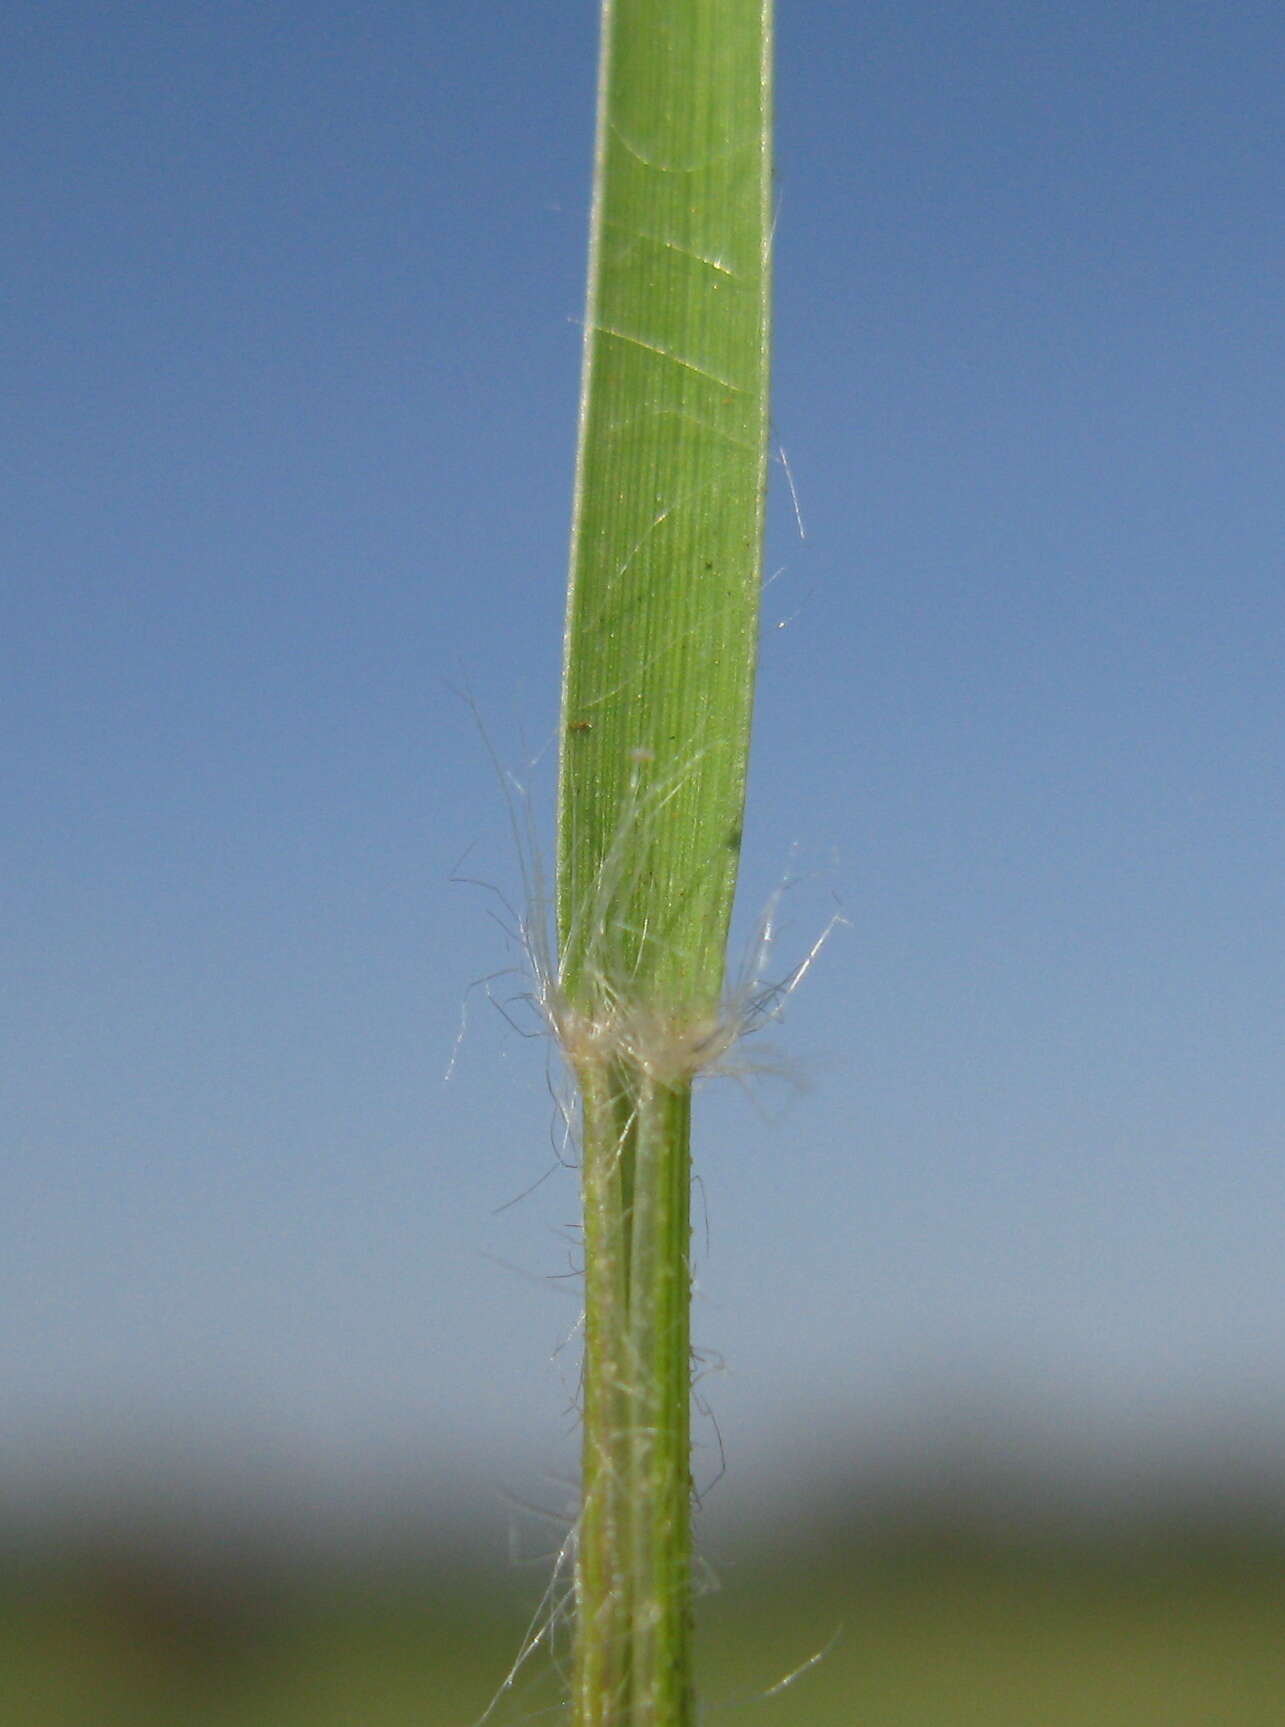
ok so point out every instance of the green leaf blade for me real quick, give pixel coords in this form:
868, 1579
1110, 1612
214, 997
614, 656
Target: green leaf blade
666, 558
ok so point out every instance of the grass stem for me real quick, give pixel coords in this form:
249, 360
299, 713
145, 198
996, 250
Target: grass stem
662, 620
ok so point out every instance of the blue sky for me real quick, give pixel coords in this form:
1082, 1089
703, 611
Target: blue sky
291, 335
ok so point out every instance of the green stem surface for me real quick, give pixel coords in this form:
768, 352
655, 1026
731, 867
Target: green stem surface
662, 622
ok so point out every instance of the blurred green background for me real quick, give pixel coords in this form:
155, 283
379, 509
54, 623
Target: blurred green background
916, 1620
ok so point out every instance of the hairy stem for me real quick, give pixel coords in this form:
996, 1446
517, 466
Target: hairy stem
658, 677
633, 1568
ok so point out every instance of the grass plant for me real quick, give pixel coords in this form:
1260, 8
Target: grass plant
662, 621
